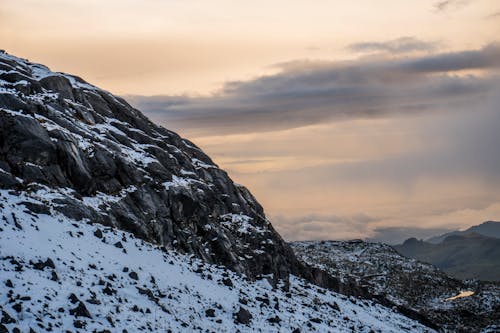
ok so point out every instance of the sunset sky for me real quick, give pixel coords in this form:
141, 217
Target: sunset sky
346, 119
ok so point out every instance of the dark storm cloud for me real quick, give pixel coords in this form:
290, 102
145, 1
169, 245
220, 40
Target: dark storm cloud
311, 92
400, 45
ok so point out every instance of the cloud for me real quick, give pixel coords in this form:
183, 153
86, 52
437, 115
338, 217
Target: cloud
446, 5
431, 171
363, 146
485, 58
311, 92
318, 226
395, 46
493, 15
397, 235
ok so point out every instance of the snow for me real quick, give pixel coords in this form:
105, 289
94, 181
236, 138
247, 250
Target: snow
242, 223
172, 291
200, 164
101, 199
40, 71
177, 182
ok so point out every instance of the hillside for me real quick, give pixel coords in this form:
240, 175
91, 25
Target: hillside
59, 274
385, 273
465, 256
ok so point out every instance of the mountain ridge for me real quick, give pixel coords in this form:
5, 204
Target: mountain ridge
487, 228
463, 255
404, 281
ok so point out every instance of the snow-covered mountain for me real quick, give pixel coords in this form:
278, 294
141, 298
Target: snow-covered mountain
383, 272
110, 223
94, 157
58, 274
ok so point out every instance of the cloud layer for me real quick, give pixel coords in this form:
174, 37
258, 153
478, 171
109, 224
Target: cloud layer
383, 147
396, 46
311, 92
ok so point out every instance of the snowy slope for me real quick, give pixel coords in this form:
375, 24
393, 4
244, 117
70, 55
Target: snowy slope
57, 274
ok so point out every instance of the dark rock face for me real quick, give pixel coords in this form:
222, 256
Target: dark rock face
92, 157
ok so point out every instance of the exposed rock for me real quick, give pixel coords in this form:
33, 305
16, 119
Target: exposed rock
79, 324
37, 208
43, 264
98, 233
18, 307
227, 282
73, 299
80, 311
6, 318
243, 316
210, 312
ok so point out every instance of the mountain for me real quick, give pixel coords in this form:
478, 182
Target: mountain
109, 222
465, 256
407, 282
60, 275
488, 229
92, 157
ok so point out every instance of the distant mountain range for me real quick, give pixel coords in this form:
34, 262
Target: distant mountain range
488, 229
470, 254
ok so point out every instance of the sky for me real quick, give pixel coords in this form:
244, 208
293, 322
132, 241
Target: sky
346, 119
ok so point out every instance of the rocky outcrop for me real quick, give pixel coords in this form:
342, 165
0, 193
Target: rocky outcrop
90, 156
